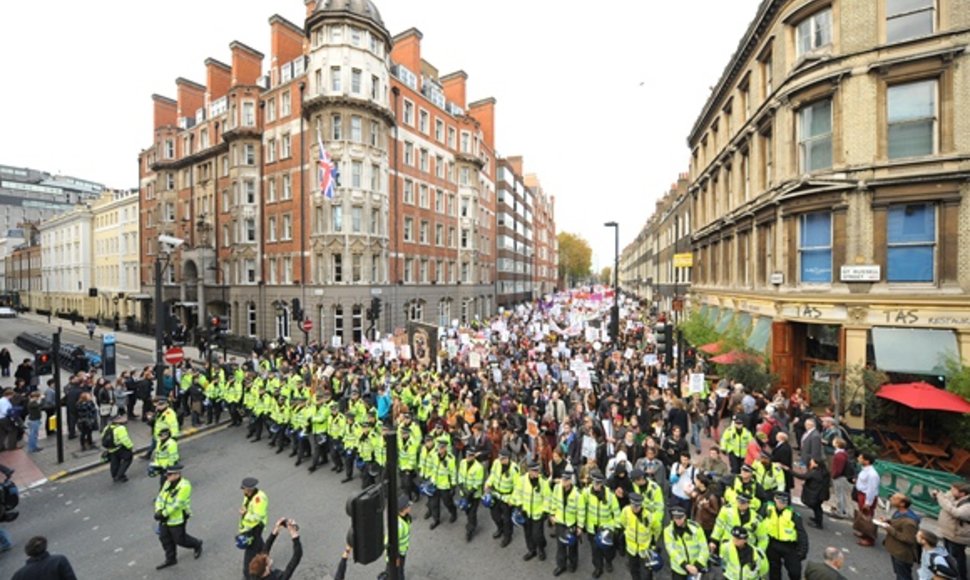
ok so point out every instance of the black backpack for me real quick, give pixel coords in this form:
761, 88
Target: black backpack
108, 439
851, 469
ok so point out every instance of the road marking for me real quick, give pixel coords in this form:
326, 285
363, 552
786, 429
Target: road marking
86, 518
118, 550
106, 538
68, 502
77, 511
95, 528
132, 563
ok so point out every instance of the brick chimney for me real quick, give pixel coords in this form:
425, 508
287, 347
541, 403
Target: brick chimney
407, 50
165, 111
218, 76
454, 87
247, 64
286, 44
483, 111
191, 97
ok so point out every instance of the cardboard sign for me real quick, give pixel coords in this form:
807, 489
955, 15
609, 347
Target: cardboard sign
662, 381
474, 360
584, 380
650, 359
697, 383
628, 353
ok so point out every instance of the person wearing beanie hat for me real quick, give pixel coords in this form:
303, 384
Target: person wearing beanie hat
530, 497
501, 482
563, 508
471, 480
740, 559
637, 535
173, 506
599, 510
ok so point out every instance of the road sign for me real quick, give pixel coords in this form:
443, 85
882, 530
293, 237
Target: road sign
174, 355
307, 325
684, 260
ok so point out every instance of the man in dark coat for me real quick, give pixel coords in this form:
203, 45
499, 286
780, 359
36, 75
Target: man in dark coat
811, 444
782, 453
71, 396
42, 565
828, 570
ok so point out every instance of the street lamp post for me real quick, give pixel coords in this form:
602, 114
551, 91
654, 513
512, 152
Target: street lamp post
615, 312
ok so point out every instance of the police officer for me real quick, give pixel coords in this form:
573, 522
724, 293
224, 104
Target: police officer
319, 427
734, 443
638, 533
253, 517
563, 512
530, 497
599, 511
770, 477
686, 545
408, 448
501, 483
740, 560
745, 484
734, 515
120, 452
164, 417
653, 500
173, 506
403, 534
164, 455
787, 540
471, 479
442, 472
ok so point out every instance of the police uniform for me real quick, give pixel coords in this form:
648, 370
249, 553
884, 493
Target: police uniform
254, 518
599, 511
734, 443
471, 479
443, 473
501, 483
531, 494
120, 454
787, 540
686, 545
740, 560
563, 506
637, 527
173, 506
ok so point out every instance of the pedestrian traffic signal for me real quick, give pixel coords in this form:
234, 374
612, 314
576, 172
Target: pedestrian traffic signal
375, 308
367, 524
43, 363
297, 309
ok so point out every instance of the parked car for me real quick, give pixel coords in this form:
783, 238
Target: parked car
7, 312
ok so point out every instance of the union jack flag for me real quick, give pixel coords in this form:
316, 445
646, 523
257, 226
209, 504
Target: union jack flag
328, 175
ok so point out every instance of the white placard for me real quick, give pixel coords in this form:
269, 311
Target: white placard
406, 351
628, 353
336, 341
662, 381
696, 383
649, 359
474, 360
584, 380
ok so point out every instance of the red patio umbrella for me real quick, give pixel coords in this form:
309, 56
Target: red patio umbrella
711, 348
924, 397
732, 358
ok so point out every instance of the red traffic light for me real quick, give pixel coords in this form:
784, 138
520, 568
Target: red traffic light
215, 322
44, 358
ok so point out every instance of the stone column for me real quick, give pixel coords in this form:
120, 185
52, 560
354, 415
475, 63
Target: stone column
855, 360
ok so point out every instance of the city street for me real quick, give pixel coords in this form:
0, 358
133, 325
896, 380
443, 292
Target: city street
106, 529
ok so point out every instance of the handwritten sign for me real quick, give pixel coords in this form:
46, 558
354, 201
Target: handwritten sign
697, 383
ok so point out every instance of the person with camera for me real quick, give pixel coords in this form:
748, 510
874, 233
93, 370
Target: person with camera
261, 566
954, 522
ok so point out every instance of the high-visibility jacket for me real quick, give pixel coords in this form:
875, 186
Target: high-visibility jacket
257, 511
300, 417
168, 419
233, 391
166, 453
424, 460
352, 436
735, 440
320, 421
685, 547
771, 478
653, 503
471, 477
750, 489
564, 505
442, 471
502, 480
637, 530
377, 444
731, 568
365, 445
531, 495
597, 513
783, 526
174, 501
338, 427
407, 453
186, 381
403, 536
730, 517
121, 437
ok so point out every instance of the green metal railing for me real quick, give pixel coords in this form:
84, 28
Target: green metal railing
916, 483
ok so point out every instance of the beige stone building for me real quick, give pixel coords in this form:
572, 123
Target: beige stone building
116, 258
830, 184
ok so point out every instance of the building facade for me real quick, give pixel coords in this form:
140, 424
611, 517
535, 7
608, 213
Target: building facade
514, 241
30, 195
115, 246
234, 171
829, 187
545, 242
67, 260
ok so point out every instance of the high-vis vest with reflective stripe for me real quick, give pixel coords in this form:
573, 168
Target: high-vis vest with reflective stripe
734, 441
731, 567
502, 481
729, 517
636, 530
530, 496
596, 513
781, 526
563, 505
175, 501
689, 548
471, 476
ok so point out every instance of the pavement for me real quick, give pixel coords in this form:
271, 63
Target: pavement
106, 528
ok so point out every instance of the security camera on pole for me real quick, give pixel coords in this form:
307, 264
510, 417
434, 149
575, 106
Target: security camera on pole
166, 245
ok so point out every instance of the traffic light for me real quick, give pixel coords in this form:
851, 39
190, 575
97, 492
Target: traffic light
367, 524
43, 363
663, 335
219, 327
375, 308
296, 309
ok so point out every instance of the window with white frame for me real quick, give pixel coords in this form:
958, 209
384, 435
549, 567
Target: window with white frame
271, 226
813, 32
286, 147
335, 79
375, 268
356, 264
337, 34
337, 267
356, 173
452, 137
287, 233
270, 110
356, 129
375, 134
169, 149
251, 319
423, 122
250, 270
423, 232
408, 191
408, 270
357, 319
408, 112
338, 322
815, 247
286, 104
408, 229
250, 225
272, 269
355, 83
375, 221
416, 311
912, 118
423, 160
375, 88
439, 130
287, 187
356, 217
270, 189
423, 195
815, 136
409, 154
375, 178
911, 243
906, 19
287, 270
423, 271
271, 151
249, 154
249, 114
336, 219
336, 127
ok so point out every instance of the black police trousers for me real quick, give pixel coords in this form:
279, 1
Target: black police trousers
535, 538
783, 554
172, 536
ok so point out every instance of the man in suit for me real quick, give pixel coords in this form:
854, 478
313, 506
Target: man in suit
828, 570
782, 453
811, 444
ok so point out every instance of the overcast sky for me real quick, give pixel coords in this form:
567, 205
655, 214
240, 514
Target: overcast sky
597, 97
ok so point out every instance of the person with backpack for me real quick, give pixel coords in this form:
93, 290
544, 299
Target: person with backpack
118, 446
843, 474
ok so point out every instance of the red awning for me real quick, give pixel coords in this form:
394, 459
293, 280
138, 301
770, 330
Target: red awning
924, 397
711, 348
733, 357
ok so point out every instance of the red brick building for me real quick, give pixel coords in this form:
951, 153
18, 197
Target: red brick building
412, 219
